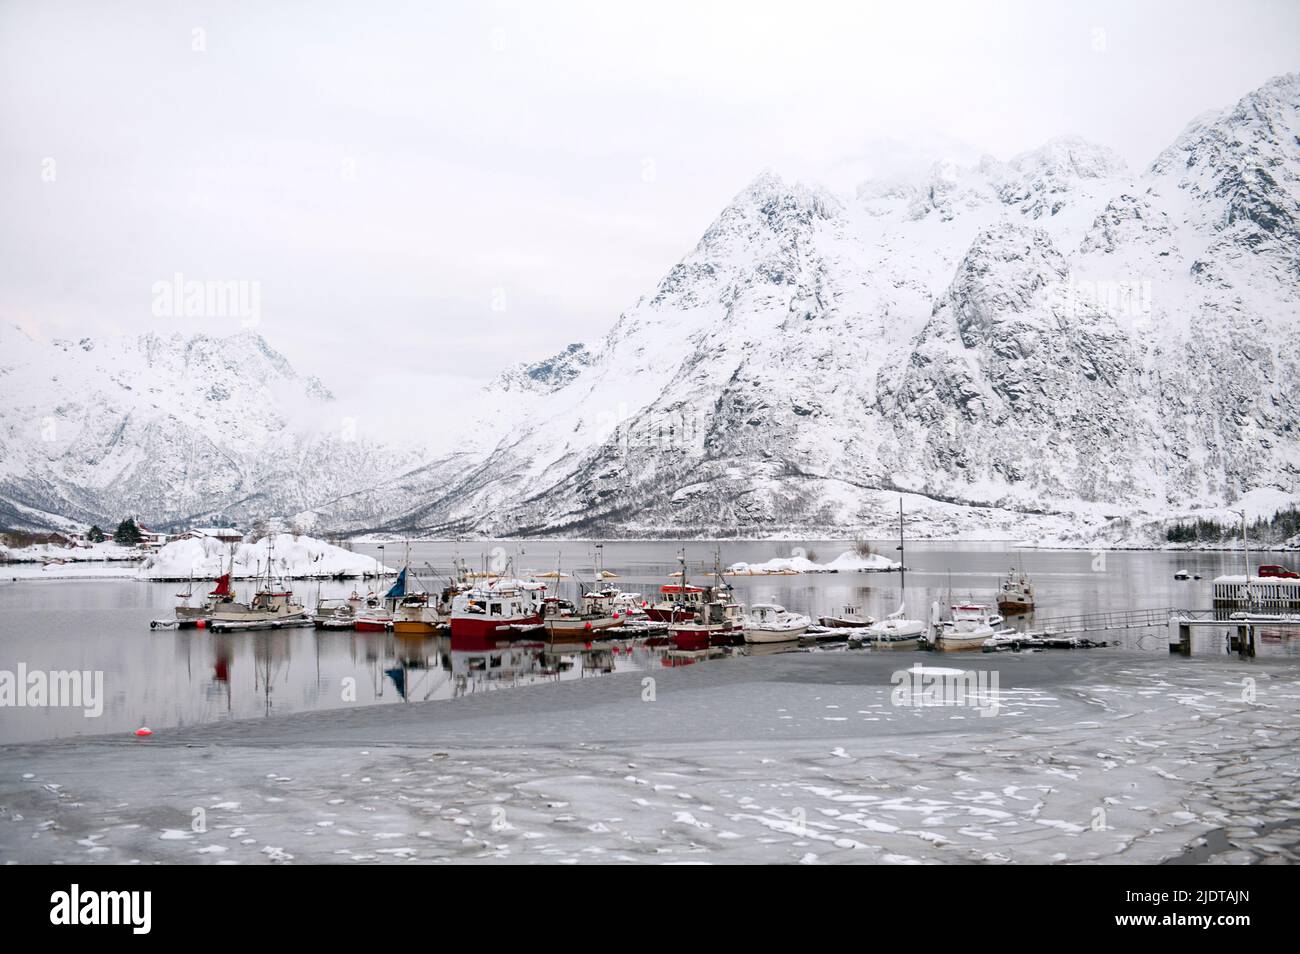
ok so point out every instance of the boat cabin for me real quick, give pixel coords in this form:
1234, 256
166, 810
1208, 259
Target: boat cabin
690, 596
506, 604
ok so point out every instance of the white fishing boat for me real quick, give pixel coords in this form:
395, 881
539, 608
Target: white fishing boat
772, 623
336, 613
620, 603
271, 604
563, 619
268, 605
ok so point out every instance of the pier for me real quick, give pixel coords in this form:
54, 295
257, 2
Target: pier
1104, 622
1241, 628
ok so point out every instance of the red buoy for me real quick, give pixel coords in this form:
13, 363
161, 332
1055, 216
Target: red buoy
143, 731
201, 624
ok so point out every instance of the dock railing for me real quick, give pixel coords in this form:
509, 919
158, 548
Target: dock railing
1107, 621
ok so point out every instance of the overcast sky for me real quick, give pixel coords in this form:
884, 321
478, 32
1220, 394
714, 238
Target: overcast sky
442, 189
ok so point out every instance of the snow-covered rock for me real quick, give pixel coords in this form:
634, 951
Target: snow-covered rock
852, 562
291, 558
847, 562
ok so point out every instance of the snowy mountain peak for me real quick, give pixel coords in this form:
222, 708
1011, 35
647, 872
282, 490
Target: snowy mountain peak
549, 374
1070, 157
1240, 172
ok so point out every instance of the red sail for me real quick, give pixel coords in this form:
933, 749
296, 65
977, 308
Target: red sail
223, 586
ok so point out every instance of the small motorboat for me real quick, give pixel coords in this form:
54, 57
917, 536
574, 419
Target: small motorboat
968, 627
771, 623
850, 618
1182, 575
336, 614
895, 631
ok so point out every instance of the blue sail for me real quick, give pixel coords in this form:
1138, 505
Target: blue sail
399, 587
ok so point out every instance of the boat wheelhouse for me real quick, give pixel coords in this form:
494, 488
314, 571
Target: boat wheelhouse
677, 603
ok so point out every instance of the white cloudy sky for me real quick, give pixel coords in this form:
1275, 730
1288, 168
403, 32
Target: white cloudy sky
565, 153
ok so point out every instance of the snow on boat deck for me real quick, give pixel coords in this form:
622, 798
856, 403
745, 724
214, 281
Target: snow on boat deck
791, 758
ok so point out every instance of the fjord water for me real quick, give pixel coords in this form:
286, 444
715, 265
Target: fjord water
162, 678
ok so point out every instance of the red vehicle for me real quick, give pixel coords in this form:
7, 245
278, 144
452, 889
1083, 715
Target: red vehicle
1278, 572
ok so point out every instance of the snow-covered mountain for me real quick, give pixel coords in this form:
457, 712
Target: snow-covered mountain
1019, 347
170, 428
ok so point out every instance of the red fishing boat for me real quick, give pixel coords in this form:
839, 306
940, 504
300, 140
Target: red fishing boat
500, 608
677, 602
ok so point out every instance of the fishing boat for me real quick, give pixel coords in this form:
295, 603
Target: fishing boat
563, 619
271, 604
1016, 594
374, 615
717, 619
677, 602
771, 623
336, 613
415, 617
968, 626
188, 616
850, 618
268, 605
498, 608
720, 622
615, 602
412, 613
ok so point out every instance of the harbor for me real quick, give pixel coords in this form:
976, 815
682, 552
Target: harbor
187, 675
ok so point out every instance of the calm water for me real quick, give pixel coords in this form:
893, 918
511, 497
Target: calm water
163, 678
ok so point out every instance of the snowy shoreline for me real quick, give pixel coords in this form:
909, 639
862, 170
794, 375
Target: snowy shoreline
202, 559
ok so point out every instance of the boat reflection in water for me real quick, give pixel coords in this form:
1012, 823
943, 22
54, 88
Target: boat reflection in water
443, 667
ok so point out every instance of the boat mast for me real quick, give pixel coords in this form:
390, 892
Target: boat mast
1245, 552
902, 563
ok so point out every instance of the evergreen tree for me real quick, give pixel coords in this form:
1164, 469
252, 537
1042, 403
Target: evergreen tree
95, 535
127, 533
